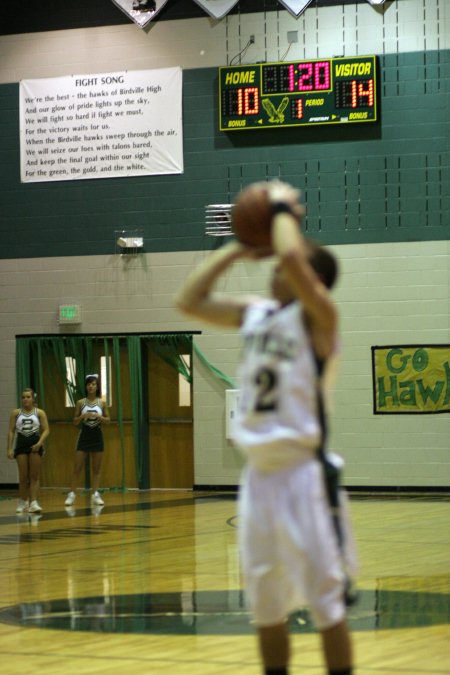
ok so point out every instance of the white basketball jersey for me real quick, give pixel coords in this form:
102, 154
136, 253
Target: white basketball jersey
277, 424
28, 423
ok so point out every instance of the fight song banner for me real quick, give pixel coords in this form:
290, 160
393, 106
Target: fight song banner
105, 125
413, 379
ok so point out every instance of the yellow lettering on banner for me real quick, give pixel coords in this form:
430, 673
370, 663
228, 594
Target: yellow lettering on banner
412, 379
358, 116
237, 123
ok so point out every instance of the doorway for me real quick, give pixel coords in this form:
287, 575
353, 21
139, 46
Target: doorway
170, 424
149, 442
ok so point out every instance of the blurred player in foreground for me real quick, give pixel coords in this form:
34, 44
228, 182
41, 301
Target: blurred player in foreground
288, 540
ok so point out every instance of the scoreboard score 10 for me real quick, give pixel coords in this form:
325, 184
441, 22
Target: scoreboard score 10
300, 93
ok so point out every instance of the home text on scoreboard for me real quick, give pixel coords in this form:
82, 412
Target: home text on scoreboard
300, 93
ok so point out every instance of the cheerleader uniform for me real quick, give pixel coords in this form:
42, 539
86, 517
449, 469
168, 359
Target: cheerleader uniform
28, 432
90, 438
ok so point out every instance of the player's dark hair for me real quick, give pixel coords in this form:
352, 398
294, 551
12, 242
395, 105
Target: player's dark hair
92, 378
323, 262
33, 393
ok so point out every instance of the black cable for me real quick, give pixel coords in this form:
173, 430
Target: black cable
241, 53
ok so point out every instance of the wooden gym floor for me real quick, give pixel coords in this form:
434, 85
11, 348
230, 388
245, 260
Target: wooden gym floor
150, 584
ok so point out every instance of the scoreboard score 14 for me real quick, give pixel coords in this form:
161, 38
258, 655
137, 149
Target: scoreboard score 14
321, 91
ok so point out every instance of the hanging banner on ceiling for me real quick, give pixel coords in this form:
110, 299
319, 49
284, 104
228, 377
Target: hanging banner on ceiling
413, 379
295, 7
217, 8
143, 11
101, 126
140, 11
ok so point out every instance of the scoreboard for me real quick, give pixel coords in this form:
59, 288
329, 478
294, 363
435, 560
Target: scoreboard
299, 93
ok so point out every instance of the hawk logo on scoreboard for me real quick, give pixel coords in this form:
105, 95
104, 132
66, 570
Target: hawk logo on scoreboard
275, 114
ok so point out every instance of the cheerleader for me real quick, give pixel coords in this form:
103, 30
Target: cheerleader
28, 429
90, 413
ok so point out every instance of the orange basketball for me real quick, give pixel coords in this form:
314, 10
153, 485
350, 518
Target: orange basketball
252, 216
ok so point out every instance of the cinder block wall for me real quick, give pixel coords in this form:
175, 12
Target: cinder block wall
377, 195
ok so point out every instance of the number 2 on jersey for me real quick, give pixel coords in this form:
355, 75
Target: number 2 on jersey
266, 384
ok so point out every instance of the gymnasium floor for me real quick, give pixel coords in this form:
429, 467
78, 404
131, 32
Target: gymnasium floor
150, 583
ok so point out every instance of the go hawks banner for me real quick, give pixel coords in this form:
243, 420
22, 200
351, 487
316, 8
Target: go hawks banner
411, 379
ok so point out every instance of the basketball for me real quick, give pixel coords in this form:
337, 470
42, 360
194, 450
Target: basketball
252, 216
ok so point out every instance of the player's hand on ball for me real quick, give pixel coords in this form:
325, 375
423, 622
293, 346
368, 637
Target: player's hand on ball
252, 216
283, 192
252, 212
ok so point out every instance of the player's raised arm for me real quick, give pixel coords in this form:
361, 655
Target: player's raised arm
197, 297
302, 264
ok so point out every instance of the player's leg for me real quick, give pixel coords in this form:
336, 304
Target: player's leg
274, 648
264, 577
324, 576
337, 649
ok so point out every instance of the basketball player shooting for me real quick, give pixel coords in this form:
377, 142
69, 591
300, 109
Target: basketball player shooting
290, 553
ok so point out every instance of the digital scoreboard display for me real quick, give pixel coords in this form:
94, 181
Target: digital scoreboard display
300, 93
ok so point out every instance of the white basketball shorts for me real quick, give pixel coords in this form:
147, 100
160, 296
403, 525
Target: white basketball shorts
289, 552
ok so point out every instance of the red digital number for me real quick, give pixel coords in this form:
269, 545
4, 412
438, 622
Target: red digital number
291, 77
305, 81
248, 101
322, 75
366, 91
313, 76
361, 91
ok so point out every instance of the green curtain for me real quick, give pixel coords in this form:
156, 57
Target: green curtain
31, 360
31, 353
171, 347
118, 379
61, 349
140, 422
215, 371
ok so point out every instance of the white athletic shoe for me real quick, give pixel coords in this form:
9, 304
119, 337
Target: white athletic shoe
96, 499
22, 505
70, 499
34, 507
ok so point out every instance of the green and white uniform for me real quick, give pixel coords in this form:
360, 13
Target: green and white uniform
290, 553
90, 438
28, 431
